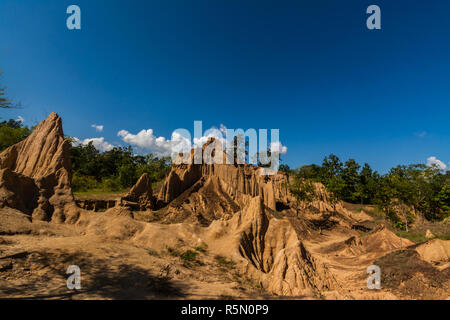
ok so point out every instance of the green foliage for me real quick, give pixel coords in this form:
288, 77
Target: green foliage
12, 132
310, 172
443, 199
224, 262
84, 183
402, 193
302, 189
5, 102
113, 170
189, 255
202, 248
111, 184
284, 168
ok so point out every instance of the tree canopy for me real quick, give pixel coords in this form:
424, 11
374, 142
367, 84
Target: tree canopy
402, 193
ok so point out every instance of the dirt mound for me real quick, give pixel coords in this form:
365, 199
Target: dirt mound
35, 174
378, 241
383, 240
410, 277
435, 251
141, 195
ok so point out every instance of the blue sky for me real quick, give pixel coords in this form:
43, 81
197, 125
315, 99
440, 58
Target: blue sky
310, 68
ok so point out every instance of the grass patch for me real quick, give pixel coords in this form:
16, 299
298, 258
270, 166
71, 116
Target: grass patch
202, 248
443, 237
224, 262
414, 237
189, 255
248, 284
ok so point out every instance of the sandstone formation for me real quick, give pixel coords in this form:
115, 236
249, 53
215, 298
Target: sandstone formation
35, 174
274, 255
140, 195
237, 180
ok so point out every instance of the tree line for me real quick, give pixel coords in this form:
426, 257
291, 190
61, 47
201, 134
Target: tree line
403, 193
115, 169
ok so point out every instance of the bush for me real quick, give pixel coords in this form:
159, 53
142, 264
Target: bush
127, 176
81, 183
202, 248
189, 255
224, 262
111, 184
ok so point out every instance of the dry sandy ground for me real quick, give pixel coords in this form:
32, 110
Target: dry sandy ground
34, 258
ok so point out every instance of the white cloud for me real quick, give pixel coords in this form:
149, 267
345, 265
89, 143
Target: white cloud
278, 147
20, 119
218, 134
98, 128
433, 161
179, 141
99, 143
145, 139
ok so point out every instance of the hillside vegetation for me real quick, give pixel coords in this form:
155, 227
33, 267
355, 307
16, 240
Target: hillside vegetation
403, 194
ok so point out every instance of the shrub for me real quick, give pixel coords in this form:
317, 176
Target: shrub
83, 183
224, 262
189, 255
202, 248
111, 184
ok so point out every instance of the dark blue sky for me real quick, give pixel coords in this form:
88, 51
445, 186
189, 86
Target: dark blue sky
310, 68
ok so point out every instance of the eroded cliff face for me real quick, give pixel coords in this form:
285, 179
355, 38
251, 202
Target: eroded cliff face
237, 180
35, 174
140, 195
275, 256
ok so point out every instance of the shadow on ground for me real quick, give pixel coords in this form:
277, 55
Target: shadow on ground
41, 275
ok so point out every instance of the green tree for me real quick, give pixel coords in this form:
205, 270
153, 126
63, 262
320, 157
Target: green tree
331, 167
443, 198
127, 175
12, 132
350, 176
303, 190
284, 168
4, 101
312, 172
367, 186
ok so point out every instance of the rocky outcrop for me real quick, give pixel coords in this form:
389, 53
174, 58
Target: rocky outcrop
237, 180
270, 252
35, 174
140, 195
205, 192
235, 183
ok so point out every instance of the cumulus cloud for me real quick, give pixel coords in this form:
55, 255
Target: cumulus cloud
218, 134
433, 161
99, 143
20, 119
180, 141
98, 128
278, 147
146, 139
